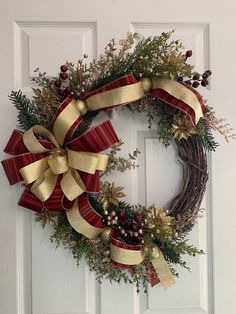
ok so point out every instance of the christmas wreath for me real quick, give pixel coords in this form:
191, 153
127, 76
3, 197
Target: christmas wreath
59, 157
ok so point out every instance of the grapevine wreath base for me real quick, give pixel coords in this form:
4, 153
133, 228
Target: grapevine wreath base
59, 157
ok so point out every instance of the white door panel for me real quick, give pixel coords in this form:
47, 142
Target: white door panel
36, 278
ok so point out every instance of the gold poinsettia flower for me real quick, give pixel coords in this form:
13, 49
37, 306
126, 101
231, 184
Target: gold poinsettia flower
172, 59
158, 218
183, 128
110, 194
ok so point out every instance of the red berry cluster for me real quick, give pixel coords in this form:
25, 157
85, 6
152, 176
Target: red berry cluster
197, 79
188, 54
131, 229
63, 90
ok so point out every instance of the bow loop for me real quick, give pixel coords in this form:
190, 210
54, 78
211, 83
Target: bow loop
33, 144
72, 185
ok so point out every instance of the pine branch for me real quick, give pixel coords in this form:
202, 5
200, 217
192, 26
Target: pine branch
27, 111
205, 136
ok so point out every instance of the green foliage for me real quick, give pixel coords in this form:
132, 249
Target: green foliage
85, 124
205, 135
27, 111
42, 80
145, 59
93, 252
164, 129
174, 248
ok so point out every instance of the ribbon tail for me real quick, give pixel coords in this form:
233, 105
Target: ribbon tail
153, 278
84, 219
163, 271
13, 165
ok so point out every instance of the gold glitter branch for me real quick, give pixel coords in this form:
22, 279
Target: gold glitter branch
220, 125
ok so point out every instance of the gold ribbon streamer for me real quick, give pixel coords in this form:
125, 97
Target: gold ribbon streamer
117, 96
162, 268
125, 256
114, 97
80, 224
65, 120
44, 172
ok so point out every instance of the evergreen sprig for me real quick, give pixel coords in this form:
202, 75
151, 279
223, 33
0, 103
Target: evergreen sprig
27, 111
174, 249
205, 135
92, 250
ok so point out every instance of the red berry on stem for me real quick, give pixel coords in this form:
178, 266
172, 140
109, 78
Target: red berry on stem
128, 224
139, 238
57, 83
208, 72
135, 227
205, 76
138, 217
123, 223
196, 77
189, 53
63, 75
68, 90
204, 82
63, 68
120, 214
188, 83
195, 84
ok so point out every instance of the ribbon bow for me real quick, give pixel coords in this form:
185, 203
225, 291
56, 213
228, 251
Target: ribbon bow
44, 172
56, 175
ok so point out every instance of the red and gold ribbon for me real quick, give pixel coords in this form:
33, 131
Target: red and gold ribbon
51, 171
125, 256
84, 219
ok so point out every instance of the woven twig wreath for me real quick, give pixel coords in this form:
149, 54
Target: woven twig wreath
60, 158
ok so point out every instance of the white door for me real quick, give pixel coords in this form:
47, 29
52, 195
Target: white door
37, 279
